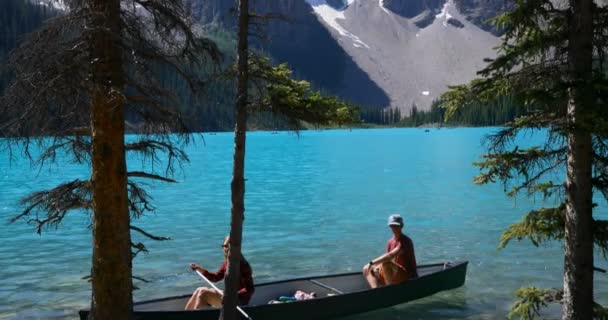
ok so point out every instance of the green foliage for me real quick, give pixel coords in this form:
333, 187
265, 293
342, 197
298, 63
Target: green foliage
530, 68
533, 68
497, 113
380, 116
530, 65
539, 226
548, 224
600, 236
282, 97
531, 164
419, 117
600, 312
531, 300
277, 101
294, 101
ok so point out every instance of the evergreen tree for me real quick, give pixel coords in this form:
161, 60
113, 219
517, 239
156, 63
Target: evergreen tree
414, 114
552, 61
76, 79
17, 18
111, 267
476, 113
237, 187
267, 89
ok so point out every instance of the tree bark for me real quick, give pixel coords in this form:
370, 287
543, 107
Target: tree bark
111, 266
238, 175
578, 244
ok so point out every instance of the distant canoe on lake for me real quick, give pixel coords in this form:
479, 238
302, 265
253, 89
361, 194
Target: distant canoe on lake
337, 295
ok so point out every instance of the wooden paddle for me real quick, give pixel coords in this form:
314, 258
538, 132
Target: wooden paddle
214, 287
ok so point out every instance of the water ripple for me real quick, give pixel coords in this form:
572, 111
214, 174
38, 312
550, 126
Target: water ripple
316, 203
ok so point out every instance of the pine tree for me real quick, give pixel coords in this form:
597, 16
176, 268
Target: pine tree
238, 172
273, 91
76, 80
552, 62
111, 267
17, 18
414, 114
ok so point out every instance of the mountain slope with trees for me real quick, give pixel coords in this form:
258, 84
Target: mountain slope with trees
377, 54
17, 18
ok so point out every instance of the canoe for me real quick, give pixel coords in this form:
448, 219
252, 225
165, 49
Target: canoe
337, 295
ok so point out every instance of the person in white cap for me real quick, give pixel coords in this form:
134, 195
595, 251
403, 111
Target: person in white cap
398, 264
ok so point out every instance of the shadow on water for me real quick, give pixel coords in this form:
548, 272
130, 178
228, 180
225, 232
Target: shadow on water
446, 305
453, 304
435, 307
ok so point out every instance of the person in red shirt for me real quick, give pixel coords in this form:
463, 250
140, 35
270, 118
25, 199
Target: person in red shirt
208, 297
398, 264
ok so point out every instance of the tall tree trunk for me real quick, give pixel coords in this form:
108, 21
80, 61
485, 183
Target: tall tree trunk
111, 270
238, 173
578, 244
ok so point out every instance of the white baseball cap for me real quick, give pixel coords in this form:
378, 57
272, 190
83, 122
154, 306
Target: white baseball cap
395, 220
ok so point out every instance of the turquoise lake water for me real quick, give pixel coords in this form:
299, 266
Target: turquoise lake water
316, 203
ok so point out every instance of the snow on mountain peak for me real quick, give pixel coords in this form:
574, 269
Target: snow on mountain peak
381, 4
57, 4
330, 16
445, 14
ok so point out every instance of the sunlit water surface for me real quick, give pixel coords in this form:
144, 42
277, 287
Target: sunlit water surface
316, 203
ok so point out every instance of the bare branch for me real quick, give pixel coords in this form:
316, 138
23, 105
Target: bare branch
139, 247
50, 207
151, 149
140, 279
139, 200
138, 174
153, 237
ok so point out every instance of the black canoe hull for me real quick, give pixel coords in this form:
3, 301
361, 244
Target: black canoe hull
333, 301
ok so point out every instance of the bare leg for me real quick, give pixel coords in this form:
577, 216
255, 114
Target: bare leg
389, 272
370, 276
208, 298
190, 304
195, 297
393, 274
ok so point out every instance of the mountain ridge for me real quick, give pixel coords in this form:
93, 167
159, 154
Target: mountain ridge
376, 53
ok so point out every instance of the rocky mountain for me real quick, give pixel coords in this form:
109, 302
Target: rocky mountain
376, 53
55, 4
379, 53
413, 62
479, 11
